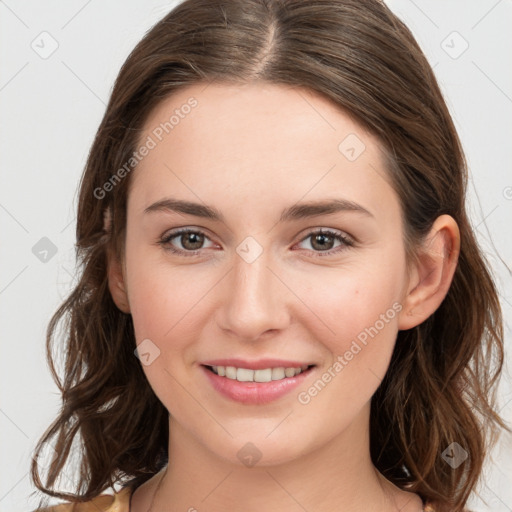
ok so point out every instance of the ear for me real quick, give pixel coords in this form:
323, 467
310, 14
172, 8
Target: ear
115, 275
116, 283
432, 274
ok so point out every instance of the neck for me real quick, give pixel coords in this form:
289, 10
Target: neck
338, 475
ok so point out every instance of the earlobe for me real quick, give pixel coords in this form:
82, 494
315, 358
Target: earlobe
433, 273
116, 284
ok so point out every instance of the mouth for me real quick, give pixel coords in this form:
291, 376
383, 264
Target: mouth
261, 375
255, 387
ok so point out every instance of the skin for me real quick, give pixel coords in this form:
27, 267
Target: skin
251, 151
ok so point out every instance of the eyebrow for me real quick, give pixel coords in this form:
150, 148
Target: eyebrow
294, 212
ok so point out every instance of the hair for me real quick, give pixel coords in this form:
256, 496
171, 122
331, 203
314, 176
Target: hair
442, 380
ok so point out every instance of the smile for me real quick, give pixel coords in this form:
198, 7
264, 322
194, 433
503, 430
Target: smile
262, 375
255, 387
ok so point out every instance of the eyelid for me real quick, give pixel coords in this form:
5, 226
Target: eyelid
346, 241
334, 231
165, 239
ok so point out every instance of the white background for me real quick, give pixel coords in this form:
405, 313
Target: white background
50, 109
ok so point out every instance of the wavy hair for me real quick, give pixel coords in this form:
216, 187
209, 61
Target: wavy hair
442, 379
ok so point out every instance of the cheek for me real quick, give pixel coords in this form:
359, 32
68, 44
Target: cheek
349, 302
162, 302
356, 319
169, 304
363, 315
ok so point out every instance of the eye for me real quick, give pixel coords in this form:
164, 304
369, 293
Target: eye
322, 242
191, 241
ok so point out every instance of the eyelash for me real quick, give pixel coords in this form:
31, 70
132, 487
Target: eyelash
347, 242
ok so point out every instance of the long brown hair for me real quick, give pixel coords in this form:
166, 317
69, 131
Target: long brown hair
441, 384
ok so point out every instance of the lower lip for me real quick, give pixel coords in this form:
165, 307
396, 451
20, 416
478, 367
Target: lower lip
255, 393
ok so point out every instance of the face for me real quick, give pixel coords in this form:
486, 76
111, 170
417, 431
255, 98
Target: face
270, 276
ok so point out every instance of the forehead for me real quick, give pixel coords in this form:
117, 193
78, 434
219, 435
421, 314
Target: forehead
258, 141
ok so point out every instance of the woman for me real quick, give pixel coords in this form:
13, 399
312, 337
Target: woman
282, 304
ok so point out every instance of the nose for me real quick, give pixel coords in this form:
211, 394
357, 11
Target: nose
254, 299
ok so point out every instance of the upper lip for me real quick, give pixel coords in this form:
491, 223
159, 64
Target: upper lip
256, 365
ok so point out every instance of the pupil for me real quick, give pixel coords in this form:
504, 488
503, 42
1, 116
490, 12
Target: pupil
321, 240
192, 238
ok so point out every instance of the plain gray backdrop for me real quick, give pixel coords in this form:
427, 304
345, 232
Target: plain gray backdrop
59, 61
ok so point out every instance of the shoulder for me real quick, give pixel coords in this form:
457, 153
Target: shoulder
117, 502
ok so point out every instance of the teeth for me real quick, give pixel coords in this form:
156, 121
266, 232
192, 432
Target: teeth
278, 373
263, 375
289, 372
231, 372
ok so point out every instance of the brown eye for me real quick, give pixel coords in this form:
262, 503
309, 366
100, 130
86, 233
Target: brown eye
323, 242
191, 240
186, 242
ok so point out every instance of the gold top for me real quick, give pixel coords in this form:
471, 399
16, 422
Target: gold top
118, 502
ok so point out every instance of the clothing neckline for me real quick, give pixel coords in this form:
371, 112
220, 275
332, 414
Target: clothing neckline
128, 492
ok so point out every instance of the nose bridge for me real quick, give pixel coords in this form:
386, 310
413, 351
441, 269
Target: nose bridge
255, 300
